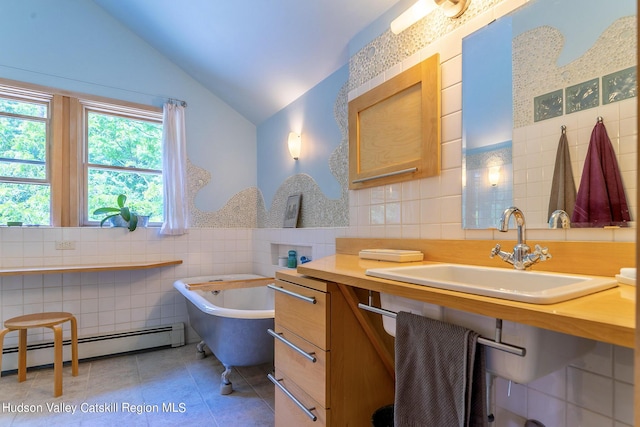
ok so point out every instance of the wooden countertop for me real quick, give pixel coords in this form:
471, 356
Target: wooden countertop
58, 269
607, 316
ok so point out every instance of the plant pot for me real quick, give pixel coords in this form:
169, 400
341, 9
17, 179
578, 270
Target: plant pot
118, 221
143, 220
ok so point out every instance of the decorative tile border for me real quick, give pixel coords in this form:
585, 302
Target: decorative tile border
534, 71
616, 87
582, 96
548, 106
620, 85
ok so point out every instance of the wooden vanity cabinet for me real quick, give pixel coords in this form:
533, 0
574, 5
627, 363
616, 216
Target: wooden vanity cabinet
323, 358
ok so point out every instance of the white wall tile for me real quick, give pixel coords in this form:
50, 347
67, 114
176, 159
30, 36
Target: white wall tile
410, 212
623, 364
452, 99
512, 397
451, 71
599, 360
577, 416
452, 154
553, 384
546, 409
623, 402
590, 391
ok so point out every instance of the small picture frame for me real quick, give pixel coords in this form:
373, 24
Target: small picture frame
292, 211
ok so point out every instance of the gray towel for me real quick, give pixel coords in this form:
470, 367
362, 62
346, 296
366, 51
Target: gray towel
563, 187
440, 377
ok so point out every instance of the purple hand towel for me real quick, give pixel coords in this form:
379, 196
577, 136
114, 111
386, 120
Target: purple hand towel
601, 200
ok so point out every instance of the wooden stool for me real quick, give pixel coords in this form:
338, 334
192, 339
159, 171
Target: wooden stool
53, 320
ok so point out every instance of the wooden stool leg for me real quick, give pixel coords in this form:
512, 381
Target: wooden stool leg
74, 346
2, 334
22, 355
57, 360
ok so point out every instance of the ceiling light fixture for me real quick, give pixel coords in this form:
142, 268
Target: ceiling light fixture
294, 142
451, 9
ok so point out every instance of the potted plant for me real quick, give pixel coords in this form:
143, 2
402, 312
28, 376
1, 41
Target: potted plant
120, 216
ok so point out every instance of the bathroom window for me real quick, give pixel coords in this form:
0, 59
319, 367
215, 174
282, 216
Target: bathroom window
122, 154
25, 127
62, 155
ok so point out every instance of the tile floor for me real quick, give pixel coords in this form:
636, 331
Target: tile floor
167, 387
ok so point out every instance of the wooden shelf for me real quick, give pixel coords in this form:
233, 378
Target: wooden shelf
59, 269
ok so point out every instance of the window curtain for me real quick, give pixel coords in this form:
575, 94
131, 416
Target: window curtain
174, 171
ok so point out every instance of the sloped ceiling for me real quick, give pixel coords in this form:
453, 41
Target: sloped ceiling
256, 55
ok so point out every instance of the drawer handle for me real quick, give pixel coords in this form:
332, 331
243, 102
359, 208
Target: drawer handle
304, 409
311, 300
282, 339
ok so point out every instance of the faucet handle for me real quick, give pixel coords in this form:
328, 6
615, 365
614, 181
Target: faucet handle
495, 251
543, 253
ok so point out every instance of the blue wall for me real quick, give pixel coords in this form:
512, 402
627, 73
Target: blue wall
75, 45
311, 115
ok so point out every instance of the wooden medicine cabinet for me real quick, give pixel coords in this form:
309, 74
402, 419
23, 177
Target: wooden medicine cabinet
394, 129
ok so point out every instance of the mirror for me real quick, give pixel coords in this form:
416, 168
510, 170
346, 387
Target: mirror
546, 65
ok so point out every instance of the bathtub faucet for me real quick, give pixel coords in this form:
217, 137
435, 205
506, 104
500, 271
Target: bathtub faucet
521, 257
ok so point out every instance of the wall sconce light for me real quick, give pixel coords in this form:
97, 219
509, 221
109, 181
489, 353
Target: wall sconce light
294, 143
451, 9
494, 175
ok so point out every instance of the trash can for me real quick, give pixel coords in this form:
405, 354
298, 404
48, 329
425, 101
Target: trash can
383, 417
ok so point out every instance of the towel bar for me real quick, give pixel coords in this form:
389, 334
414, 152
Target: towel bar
497, 343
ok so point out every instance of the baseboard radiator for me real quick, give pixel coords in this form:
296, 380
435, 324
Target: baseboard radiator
41, 353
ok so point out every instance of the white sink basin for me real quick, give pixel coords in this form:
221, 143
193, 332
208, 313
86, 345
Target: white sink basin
510, 284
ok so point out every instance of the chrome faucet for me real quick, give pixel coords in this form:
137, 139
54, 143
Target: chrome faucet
559, 219
521, 257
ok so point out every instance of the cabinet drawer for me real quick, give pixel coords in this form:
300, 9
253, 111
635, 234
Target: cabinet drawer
303, 363
303, 311
288, 413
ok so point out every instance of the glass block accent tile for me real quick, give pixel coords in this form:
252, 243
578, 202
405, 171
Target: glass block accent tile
620, 85
583, 96
547, 106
